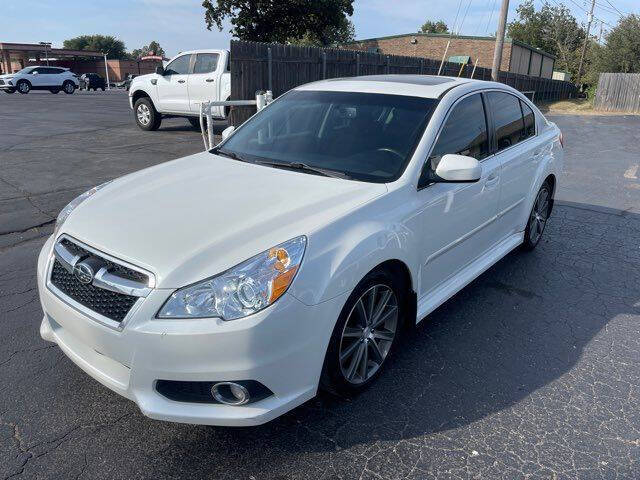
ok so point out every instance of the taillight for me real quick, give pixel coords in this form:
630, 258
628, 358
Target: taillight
561, 138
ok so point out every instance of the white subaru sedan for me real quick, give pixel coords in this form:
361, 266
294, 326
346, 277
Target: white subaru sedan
227, 287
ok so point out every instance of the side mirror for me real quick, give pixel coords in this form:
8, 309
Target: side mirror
35, 72
227, 132
160, 70
458, 169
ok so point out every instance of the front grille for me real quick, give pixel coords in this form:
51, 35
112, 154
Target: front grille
110, 304
113, 267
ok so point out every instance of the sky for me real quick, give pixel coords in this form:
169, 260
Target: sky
178, 25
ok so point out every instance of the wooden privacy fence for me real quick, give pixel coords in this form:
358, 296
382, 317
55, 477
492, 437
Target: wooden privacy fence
618, 92
279, 68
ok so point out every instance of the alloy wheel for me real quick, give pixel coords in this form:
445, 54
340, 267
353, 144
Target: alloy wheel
69, 88
539, 215
144, 114
368, 334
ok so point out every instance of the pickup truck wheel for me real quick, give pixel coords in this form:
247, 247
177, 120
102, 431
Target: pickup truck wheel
195, 122
365, 334
68, 87
23, 86
147, 117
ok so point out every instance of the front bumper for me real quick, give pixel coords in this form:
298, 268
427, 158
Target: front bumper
282, 347
7, 87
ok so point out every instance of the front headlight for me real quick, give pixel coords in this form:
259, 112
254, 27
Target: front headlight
242, 290
70, 207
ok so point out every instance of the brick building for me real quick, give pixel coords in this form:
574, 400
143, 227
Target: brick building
517, 57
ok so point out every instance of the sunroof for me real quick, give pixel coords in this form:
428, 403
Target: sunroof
413, 79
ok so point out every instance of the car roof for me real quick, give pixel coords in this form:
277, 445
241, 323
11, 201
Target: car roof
427, 86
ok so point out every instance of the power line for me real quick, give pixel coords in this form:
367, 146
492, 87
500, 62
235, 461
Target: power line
616, 9
455, 21
464, 17
493, 7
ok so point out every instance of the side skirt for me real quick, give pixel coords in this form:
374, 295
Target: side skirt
436, 297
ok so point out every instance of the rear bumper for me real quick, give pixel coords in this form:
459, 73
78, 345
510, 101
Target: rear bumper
282, 347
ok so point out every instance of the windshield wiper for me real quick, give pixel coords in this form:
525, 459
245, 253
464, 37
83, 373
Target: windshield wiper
229, 154
305, 168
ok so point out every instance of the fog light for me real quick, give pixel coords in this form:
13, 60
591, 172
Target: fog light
230, 393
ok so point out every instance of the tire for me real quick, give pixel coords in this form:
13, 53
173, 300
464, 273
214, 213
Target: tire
10, 90
103, 89
23, 87
54, 90
146, 116
195, 122
357, 353
538, 217
68, 87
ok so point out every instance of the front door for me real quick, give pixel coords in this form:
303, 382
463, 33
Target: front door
202, 82
173, 90
457, 220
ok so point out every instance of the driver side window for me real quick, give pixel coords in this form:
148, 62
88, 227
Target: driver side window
464, 133
180, 66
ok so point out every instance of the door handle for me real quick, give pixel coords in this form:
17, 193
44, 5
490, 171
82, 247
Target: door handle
180, 81
492, 181
209, 80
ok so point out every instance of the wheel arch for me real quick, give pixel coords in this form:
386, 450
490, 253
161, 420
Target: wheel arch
138, 94
551, 179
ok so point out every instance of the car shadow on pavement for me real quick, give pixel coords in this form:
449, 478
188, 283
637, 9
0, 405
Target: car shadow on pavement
519, 328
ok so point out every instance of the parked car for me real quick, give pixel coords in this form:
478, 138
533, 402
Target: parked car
126, 83
93, 81
179, 88
228, 286
53, 79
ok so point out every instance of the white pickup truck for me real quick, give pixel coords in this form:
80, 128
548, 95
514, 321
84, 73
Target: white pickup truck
178, 89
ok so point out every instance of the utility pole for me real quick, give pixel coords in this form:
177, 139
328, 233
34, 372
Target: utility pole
586, 41
497, 53
600, 36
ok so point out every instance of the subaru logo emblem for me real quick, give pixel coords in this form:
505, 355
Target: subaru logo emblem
83, 272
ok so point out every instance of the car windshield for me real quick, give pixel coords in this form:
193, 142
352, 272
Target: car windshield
366, 136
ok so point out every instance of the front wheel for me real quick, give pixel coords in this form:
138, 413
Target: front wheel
68, 88
538, 218
365, 334
24, 87
147, 117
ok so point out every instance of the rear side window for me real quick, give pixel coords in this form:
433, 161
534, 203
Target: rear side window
507, 116
529, 121
180, 66
464, 133
205, 63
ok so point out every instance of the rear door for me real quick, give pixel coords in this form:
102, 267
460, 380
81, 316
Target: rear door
457, 220
515, 142
203, 81
173, 91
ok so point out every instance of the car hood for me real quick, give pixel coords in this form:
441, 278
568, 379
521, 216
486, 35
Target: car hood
195, 217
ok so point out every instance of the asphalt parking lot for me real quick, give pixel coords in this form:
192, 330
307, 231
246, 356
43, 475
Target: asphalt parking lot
533, 371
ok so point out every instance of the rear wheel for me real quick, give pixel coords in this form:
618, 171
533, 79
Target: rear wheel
23, 87
538, 218
68, 87
365, 334
195, 122
147, 118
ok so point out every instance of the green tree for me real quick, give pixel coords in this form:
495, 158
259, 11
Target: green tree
108, 44
434, 27
321, 22
552, 29
621, 51
153, 48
